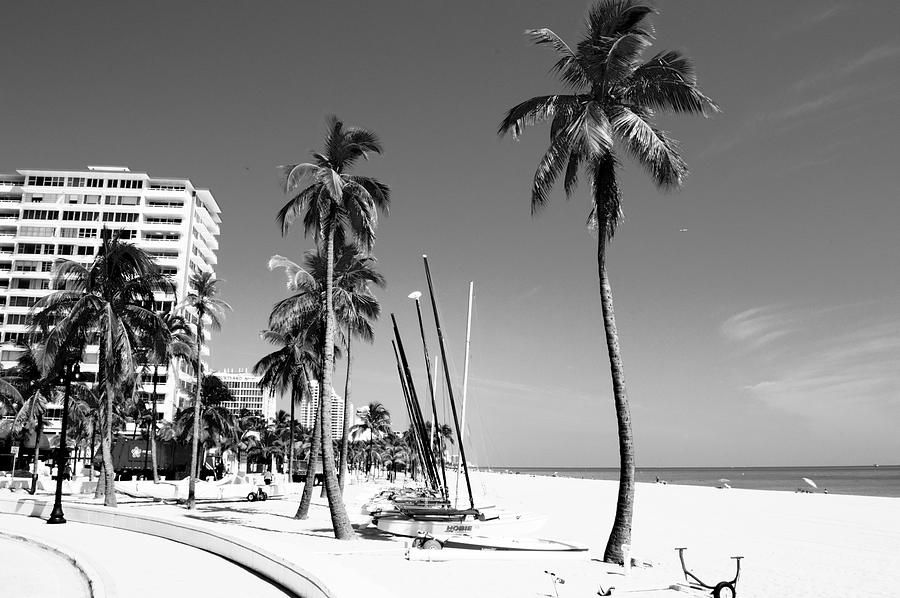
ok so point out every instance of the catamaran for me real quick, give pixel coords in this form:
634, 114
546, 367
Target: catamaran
436, 517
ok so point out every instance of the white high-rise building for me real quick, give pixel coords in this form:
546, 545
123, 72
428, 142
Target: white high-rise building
309, 406
247, 394
49, 214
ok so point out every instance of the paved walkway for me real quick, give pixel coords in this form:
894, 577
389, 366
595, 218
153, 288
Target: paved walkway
24, 567
136, 565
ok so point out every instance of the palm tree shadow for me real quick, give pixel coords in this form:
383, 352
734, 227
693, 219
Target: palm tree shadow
370, 532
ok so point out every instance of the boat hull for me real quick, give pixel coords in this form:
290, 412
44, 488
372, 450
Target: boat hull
437, 526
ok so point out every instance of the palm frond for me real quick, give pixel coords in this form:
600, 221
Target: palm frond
651, 147
531, 112
668, 82
568, 66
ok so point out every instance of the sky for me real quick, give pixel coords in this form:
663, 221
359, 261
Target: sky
766, 333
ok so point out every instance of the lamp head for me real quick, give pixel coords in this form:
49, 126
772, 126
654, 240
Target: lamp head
414, 295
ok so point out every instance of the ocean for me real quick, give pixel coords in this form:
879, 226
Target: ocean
869, 480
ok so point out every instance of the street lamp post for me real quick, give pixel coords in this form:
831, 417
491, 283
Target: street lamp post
62, 452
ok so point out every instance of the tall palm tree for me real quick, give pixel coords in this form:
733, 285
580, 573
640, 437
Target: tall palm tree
284, 371
10, 400
104, 298
31, 389
297, 326
376, 421
615, 95
202, 300
217, 427
335, 205
177, 342
355, 306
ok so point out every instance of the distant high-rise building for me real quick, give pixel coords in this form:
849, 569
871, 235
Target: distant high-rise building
309, 406
247, 394
48, 214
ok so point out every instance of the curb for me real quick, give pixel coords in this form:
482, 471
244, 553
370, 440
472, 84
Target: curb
266, 564
96, 587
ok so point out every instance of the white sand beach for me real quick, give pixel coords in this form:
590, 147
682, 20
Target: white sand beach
793, 544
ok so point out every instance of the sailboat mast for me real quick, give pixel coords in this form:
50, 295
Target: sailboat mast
437, 322
434, 421
466, 369
417, 411
436, 430
412, 423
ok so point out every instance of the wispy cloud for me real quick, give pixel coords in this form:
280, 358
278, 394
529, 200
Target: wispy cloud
832, 362
809, 106
858, 368
846, 68
758, 326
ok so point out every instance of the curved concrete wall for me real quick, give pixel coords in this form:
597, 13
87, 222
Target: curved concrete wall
266, 564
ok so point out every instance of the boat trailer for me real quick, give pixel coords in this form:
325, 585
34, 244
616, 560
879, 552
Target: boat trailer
723, 589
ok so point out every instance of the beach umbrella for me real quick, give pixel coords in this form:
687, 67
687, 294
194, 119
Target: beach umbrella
810, 482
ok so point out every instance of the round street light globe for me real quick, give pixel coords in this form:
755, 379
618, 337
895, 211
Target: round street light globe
414, 295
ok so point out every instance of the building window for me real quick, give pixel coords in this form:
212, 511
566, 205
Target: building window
85, 250
66, 249
37, 231
92, 199
73, 215
18, 319
22, 301
40, 214
120, 217
23, 266
87, 233
47, 181
94, 183
36, 248
76, 181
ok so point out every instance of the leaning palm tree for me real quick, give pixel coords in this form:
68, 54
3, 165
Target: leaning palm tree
105, 298
176, 343
614, 96
356, 307
376, 422
335, 205
203, 302
297, 326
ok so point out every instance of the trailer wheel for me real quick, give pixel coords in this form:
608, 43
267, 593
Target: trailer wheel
263, 495
432, 544
252, 497
724, 590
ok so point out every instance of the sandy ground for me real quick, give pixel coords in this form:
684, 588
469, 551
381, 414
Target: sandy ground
795, 545
798, 545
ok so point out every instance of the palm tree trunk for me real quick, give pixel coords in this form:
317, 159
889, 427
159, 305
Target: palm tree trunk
345, 439
621, 530
311, 465
109, 474
151, 435
192, 484
100, 489
291, 435
38, 432
339, 519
